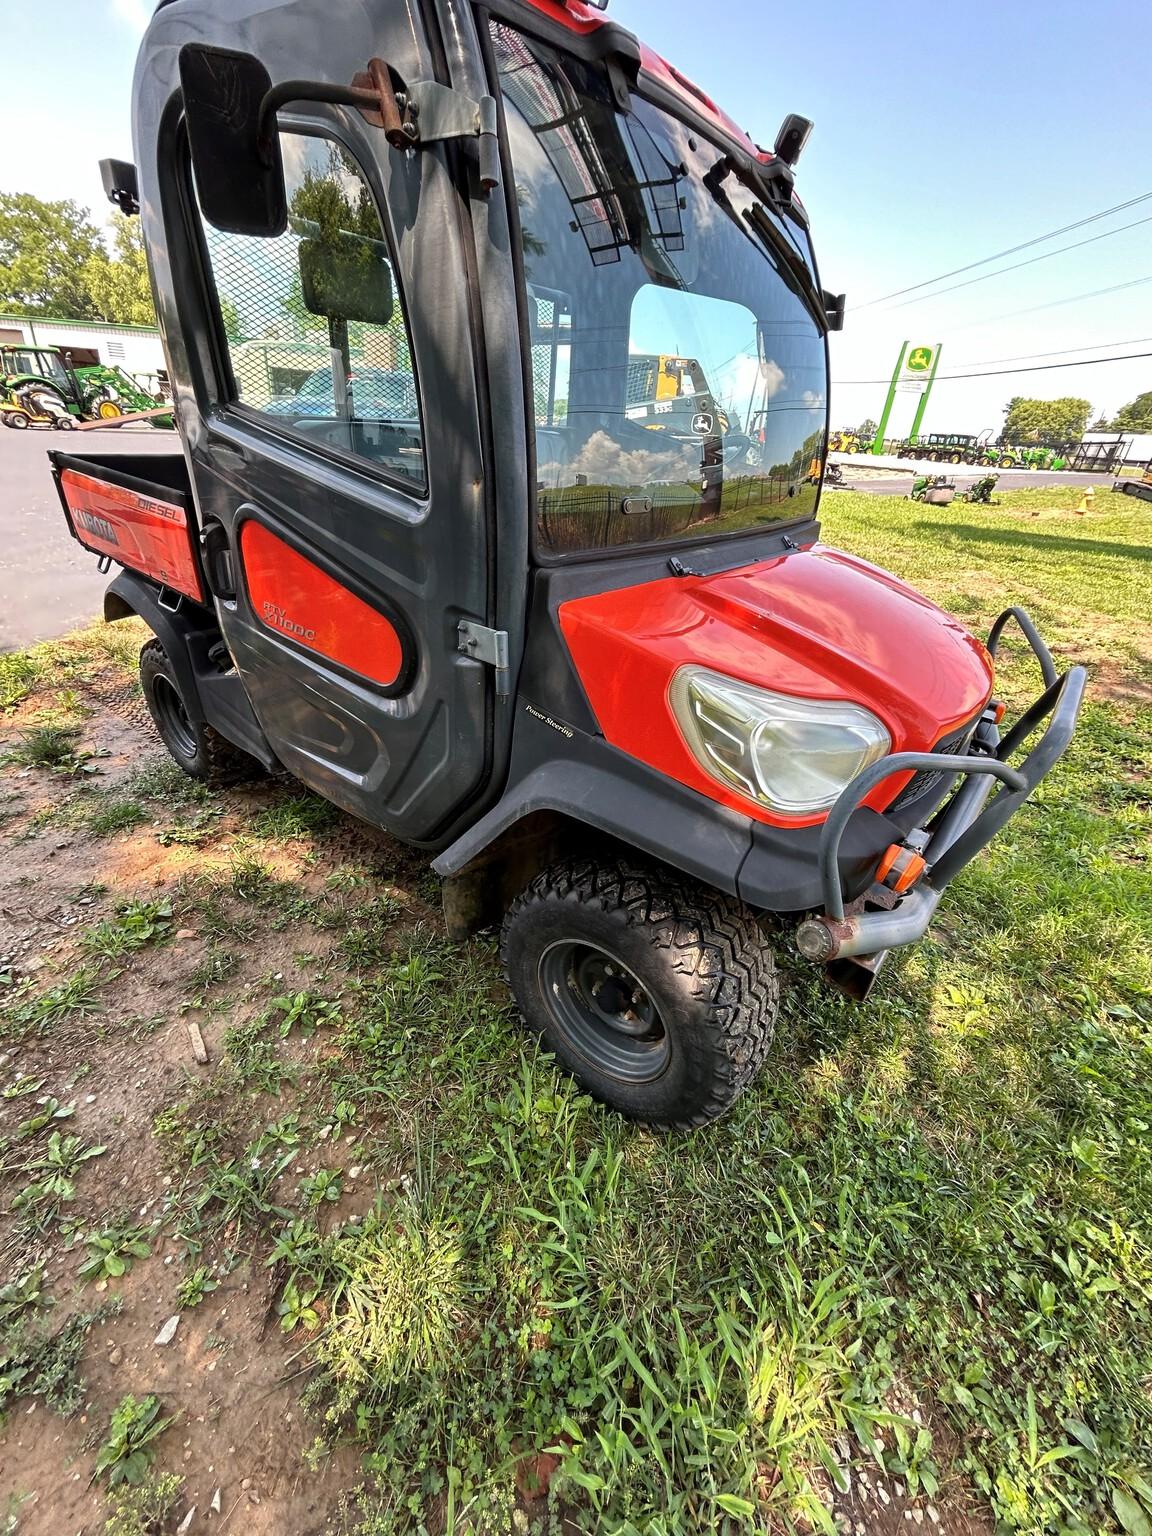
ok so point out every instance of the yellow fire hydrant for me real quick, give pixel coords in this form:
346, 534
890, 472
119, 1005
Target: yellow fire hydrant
1086, 501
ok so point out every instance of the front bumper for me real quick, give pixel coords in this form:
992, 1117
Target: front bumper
957, 831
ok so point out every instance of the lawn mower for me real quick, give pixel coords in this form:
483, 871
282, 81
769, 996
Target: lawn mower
92, 392
645, 722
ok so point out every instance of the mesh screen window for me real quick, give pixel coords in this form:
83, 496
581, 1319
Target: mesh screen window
343, 383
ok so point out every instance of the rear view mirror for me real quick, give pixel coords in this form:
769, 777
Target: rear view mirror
348, 277
238, 168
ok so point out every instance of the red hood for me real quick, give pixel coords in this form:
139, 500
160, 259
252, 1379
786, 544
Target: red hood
817, 624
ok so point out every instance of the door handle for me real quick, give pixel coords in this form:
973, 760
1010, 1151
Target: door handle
219, 567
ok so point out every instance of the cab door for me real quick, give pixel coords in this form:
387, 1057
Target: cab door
338, 469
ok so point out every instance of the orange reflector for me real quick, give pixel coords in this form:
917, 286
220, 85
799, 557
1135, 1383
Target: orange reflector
900, 868
998, 710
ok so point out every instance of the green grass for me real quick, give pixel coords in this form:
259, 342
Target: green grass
922, 1238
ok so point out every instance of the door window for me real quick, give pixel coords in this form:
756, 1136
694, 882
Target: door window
314, 320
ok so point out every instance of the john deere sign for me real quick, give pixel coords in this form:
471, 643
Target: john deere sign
919, 360
914, 373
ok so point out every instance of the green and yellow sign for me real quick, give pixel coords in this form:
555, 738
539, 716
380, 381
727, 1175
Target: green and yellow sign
914, 373
919, 360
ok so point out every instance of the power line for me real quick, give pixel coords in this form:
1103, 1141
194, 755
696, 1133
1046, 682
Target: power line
993, 373
1022, 357
1073, 298
1011, 251
925, 298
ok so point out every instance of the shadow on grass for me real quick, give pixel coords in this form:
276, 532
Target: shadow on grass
979, 535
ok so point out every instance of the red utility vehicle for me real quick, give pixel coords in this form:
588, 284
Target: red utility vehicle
424, 550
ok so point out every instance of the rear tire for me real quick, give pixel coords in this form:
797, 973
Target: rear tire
194, 746
658, 995
16, 420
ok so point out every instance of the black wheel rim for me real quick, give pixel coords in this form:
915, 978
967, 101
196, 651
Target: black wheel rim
604, 1013
174, 721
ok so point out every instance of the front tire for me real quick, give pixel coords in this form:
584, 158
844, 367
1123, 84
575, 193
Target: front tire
193, 745
658, 995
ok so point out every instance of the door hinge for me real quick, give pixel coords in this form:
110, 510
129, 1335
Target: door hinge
489, 646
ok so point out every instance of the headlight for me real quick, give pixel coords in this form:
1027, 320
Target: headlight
792, 755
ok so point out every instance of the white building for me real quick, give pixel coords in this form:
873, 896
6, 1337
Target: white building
135, 348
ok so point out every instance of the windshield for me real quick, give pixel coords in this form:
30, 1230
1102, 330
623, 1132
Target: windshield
678, 369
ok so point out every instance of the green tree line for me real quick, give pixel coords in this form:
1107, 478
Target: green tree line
55, 261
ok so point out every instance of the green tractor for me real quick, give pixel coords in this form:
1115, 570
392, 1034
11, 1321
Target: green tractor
39, 387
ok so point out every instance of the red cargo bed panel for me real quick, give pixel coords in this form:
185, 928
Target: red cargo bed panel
143, 532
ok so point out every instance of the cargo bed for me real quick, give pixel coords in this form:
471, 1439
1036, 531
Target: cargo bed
135, 509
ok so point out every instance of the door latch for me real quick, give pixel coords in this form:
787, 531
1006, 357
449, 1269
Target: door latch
489, 646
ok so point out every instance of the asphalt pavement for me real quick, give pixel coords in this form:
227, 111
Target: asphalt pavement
48, 583
898, 483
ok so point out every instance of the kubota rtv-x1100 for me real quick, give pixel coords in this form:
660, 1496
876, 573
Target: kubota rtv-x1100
434, 550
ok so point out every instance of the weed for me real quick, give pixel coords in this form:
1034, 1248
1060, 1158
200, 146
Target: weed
146, 1510
295, 1308
398, 1305
325, 1185
301, 1248
216, 966
49, 1113
46, 1365
54, 1173
197, 1284
76, 995
255, 1058
136, 924
127, 1453
194, 831
54, 747
250, 879
20, 1296
301, 815
19, 671
112, 1251
305, 1012
163, 781
109, 815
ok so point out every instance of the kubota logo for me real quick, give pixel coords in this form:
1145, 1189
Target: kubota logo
276, 616
100, 526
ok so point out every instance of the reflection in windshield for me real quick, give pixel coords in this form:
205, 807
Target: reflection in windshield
679, 372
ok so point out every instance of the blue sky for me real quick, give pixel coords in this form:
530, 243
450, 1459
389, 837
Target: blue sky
943, 134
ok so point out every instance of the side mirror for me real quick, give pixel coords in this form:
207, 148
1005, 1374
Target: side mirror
120, 185
238, 167
347, 278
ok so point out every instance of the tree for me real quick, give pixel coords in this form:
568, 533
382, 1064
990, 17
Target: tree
866, 431
118, 282
45, 250
1030, 420
1136, 416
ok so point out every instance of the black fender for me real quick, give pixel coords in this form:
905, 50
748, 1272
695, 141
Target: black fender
129, 595
213, 695
600, 793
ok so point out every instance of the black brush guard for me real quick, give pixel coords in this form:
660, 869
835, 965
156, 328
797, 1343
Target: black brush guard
957, 832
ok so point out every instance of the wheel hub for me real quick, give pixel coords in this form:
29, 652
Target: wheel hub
605, 1013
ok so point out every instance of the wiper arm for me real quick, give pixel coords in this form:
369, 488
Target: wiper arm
779, 246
